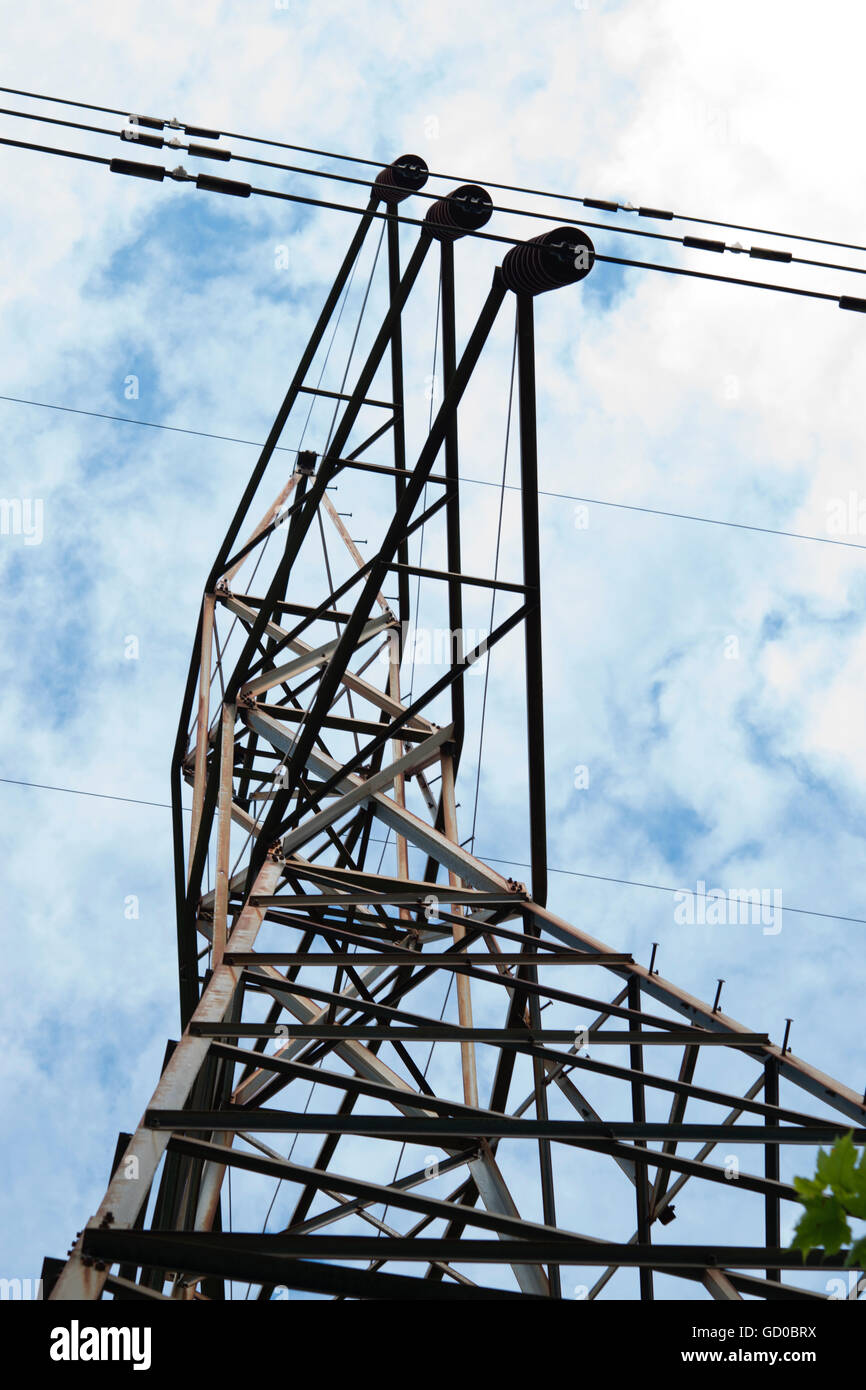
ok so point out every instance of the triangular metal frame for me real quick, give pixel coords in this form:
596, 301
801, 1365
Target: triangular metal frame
307, 870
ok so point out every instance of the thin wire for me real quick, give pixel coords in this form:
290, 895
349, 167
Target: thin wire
486, 858
101, 796
149, 424
343, 301
403, 1146
495, 576
229, 1175
201, 152
478, 482
328, 571
666, 888
355, 337
507, 187
478, 235
424, 500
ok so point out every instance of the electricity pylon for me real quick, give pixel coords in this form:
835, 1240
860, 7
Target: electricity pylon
558, 1143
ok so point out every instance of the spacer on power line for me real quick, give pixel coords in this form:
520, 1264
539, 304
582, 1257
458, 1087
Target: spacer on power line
400, 178
700, 243
214, 185
141, 138
206, 152
138, 170
466, 209
548, 262
150, 121
764, 253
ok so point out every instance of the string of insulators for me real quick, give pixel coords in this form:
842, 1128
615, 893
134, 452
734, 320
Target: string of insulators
401, 178
467, 209
548, 262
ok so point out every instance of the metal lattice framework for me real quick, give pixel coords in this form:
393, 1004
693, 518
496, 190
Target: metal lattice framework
299, 750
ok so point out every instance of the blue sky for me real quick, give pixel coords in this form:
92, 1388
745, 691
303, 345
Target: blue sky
654, 392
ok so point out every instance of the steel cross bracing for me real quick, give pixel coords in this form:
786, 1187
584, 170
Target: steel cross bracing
541, 1148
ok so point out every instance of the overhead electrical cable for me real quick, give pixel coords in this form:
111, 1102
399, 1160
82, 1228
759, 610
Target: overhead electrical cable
215, 152
477, 482
210, 183
515, 863
605, 204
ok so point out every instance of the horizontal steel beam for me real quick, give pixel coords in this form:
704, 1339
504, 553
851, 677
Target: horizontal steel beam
490, 1126
319, 656
440, 960
329, 1181
129, 1245
170, 1251
448, 1032
467, 896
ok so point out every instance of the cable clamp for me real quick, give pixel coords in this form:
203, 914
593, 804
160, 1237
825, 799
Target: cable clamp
182, 175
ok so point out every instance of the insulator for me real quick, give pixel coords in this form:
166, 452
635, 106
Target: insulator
149, 121
137, 170
763, 253
208, 152
406, 175
155, 141
214, 185
465, 210
700, 243
547, 262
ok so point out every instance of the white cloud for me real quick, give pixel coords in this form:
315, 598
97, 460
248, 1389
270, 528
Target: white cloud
691, 397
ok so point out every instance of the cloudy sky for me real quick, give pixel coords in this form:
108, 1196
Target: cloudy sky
707, 677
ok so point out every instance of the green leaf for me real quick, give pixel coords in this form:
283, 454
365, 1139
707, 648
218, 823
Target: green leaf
836, 1166
857, 1254
854, 1204
822, 1226
808, 1188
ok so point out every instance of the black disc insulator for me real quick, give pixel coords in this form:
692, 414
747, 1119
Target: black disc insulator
467, 209
547, 262
404, 176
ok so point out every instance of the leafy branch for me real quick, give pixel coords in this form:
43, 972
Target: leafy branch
837, 1192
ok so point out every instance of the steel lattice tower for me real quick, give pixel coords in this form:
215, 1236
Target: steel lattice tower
298, 756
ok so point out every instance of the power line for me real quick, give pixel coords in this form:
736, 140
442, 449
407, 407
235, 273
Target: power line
486, 858
148, 424
664, 888
75, 791
157, 173
206, 152
606, 204
478, 482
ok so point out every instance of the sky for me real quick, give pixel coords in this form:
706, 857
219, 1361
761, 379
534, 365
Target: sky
702, 681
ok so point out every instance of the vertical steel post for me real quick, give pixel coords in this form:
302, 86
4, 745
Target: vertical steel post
464, 988
452, 510
641, 1169
772, 1215
224, 826
532, 580
399, 426
202, 722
